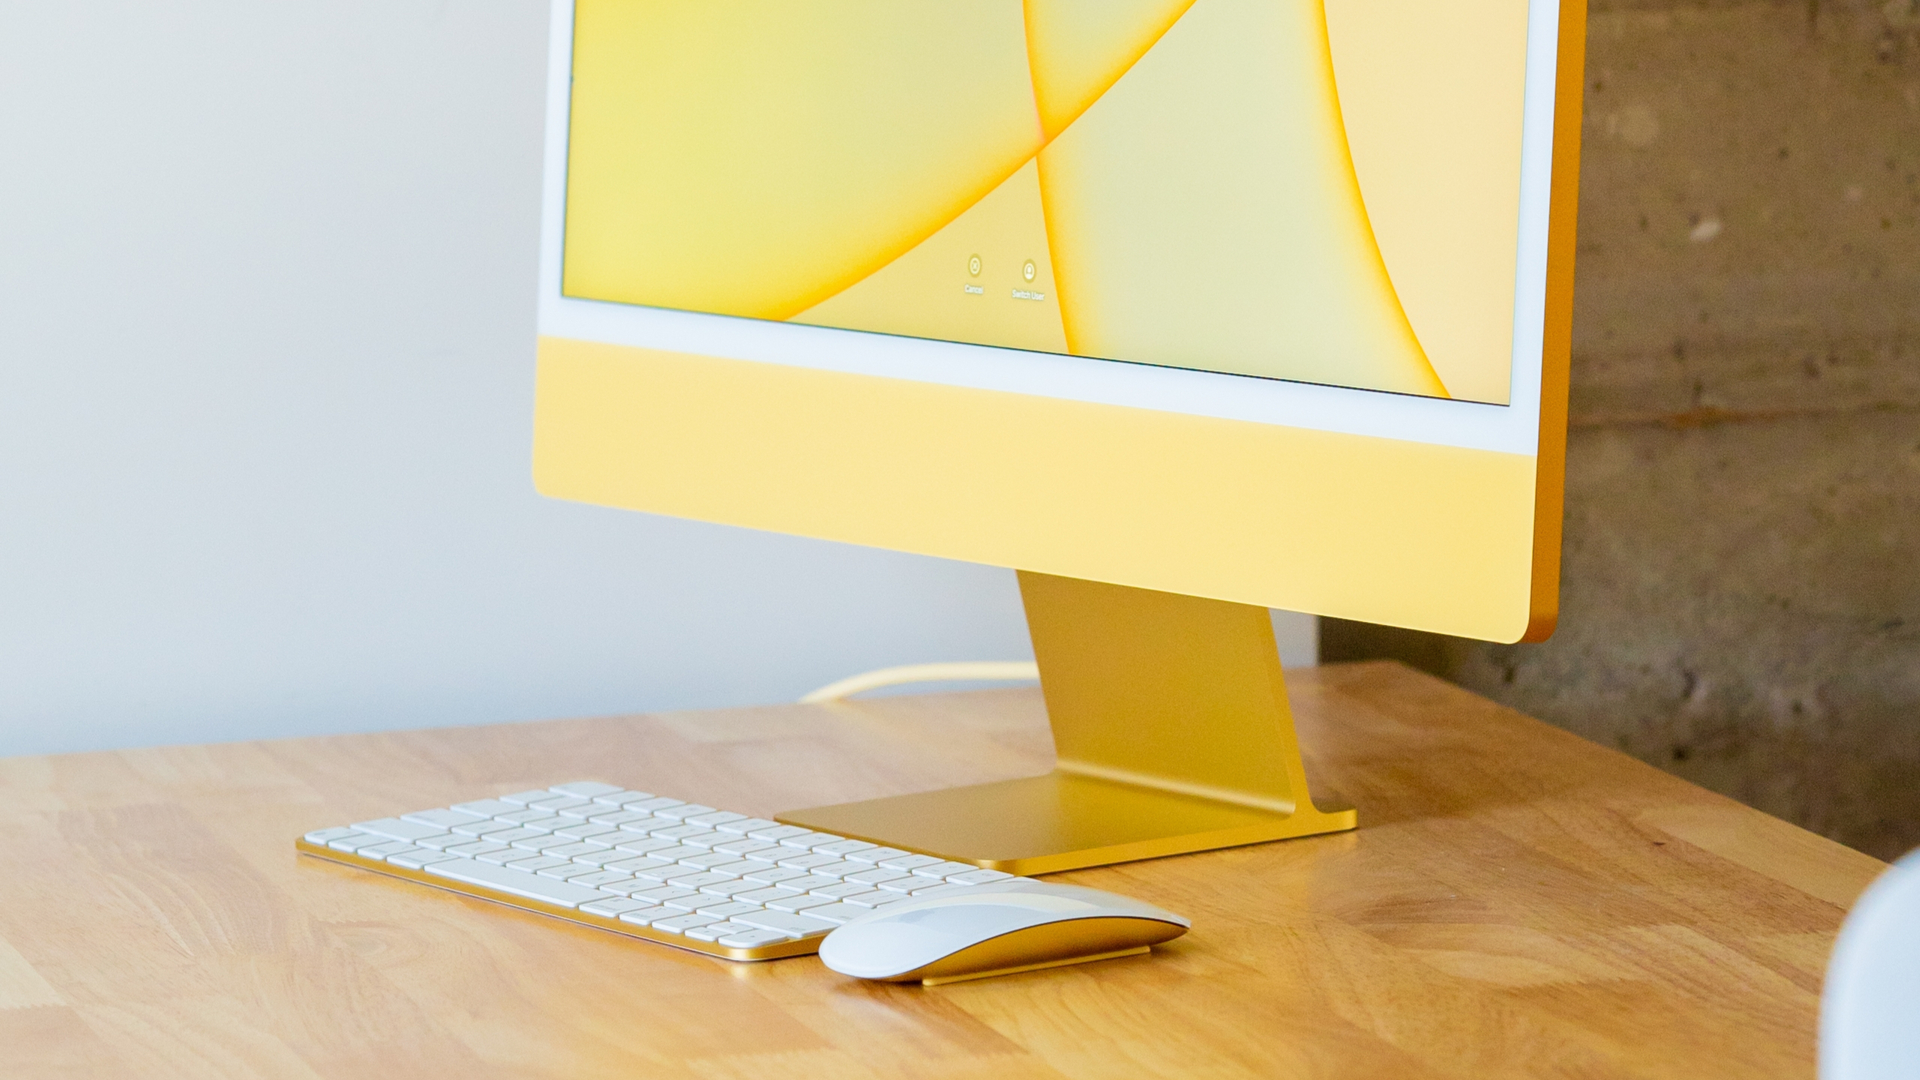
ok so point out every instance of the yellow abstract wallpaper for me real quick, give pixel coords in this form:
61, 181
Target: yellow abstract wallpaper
1295, 189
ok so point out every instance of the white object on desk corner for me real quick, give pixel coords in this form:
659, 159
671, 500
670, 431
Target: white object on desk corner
1870, 1010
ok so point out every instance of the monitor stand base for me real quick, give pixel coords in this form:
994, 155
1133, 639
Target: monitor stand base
1172, 732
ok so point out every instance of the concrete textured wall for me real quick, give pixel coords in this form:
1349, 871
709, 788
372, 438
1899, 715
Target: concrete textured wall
1741, 601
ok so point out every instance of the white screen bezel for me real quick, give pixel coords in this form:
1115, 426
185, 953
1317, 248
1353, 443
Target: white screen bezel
1512, 428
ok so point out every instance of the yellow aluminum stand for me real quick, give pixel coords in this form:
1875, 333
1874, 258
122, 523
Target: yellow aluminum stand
1172, 731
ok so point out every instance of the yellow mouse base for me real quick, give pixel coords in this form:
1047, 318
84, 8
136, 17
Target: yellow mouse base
1115, 955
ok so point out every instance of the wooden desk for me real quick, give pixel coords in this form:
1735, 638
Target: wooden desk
1517, 902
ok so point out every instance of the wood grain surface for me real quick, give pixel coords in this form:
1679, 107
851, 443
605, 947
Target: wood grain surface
1516, 902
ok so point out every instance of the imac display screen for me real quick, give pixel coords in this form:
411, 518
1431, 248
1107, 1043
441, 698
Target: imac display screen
1323, 191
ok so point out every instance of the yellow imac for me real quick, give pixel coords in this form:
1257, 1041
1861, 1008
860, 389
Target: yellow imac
1182, 308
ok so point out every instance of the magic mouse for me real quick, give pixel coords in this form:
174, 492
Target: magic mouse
1015, 925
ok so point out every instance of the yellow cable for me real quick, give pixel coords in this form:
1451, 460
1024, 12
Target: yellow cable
972, 670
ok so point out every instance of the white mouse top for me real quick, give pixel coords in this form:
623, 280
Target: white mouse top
906, 936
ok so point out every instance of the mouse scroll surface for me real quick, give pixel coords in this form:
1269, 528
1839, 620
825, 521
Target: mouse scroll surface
1011, 926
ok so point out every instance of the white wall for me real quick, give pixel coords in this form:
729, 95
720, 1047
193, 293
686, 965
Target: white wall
266, 340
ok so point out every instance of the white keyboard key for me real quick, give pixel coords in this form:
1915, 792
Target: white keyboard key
679, 852
524, 798
726, 909
695, 880
747, 825
905, 884
683, 811
419, 858
445, 841
600, 879
681, 924
633, 864
716, 819
446, 819
736, 868
761, 896
611, 908
656, 874
877, 855
488, 807
778, 832
675, 832
521, 817
749, 938
628, 886
808, 861
622, 798
809, 883
843, 848
874, 899
647, 915
322, 837
568, 872
657, 803
617, 818
482, 828
381, 851
396, 829
731, 888
908, 862
877, 875
544, 822
568, 851
744, 846
844, 888
800, 903
664, 893
560, 804
501, 856
601, 857
644, 845
512, 836
938, 888
586, 789
642, 827
801, 926
706, 839
538, 842
941, 871
586, 830
716, 931
837, 913
715, 858
839, 869
506, 879
477, 848
806, 840
537, 864
978, 877
354, 841
774, 875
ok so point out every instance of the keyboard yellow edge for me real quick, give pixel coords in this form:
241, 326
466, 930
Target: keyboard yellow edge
779, 950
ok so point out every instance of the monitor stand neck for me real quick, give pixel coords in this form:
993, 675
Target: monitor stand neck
1172, 733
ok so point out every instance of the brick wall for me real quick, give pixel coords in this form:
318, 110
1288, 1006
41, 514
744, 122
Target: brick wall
1741, 602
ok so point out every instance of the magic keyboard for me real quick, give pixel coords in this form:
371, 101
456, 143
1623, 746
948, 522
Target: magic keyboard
651, 867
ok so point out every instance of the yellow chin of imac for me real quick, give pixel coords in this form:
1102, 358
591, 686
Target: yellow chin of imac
1446, 539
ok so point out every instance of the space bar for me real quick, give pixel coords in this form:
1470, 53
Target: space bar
517, 882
